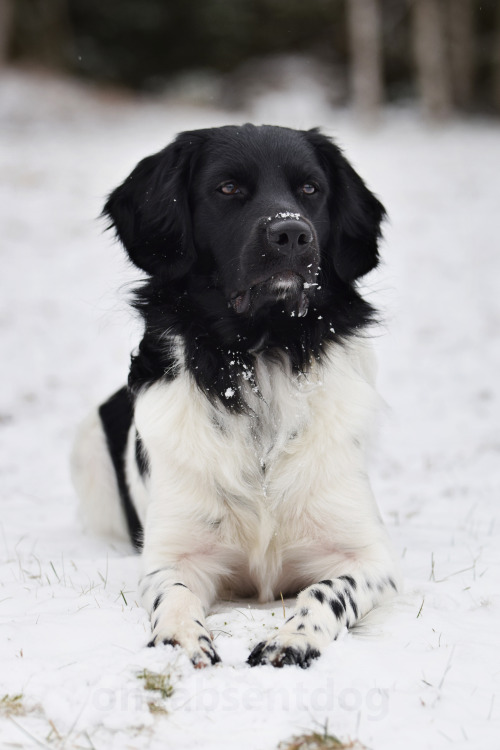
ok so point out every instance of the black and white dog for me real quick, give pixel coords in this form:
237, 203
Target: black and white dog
235, 458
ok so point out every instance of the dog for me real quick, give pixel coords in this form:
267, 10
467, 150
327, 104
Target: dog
235, 458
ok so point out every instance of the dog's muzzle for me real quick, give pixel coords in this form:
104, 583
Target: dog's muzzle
288, 269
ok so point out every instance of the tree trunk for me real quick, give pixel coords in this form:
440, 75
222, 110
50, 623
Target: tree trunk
433, 74
366, 67
55, 37
496, 64
461, 24
6, 18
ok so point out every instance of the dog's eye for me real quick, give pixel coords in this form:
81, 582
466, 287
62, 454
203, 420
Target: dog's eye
229, 188
309, 189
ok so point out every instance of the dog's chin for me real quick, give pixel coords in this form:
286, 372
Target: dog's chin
286, 287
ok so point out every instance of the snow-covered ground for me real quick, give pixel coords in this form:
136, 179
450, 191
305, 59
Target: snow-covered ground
423, 673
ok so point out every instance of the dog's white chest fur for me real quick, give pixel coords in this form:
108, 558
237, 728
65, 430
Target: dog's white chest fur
278, 411
261, 482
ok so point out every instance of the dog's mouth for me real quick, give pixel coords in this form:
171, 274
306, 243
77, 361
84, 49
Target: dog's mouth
288, 286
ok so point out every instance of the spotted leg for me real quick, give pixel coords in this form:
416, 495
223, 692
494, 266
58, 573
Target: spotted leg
322, 611
177, 616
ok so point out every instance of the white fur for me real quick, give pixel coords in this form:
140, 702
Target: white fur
94, 479
266, 502
262, 503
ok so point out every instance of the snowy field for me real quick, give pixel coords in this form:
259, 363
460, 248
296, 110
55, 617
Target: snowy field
75, 672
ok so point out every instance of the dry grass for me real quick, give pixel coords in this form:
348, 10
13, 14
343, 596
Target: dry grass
157, 708
160, 684
320, 741
12, 705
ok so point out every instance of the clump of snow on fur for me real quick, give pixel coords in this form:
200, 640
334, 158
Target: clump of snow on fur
286, 215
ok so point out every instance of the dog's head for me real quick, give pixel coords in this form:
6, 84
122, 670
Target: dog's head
264, 214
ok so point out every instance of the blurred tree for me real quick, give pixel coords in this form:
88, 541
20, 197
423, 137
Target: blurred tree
447, 51
496, 63
141, 43
6, 18
432, 62
366, 66
461, 23
42, 32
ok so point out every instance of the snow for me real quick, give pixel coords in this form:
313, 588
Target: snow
286, 215
421, 673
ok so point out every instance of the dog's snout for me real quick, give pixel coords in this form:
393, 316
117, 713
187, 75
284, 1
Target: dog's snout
289, 236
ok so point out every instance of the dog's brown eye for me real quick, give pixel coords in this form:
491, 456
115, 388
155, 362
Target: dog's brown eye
229, 188
309, 189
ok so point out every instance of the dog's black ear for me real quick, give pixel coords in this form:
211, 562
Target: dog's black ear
150, 210
356, 214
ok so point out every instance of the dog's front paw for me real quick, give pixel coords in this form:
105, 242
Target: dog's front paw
280, 650
193, 638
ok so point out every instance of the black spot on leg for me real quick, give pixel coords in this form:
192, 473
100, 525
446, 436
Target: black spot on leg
158, 570
304, 612
353, 605
350, 580
155, 624
369, 585
256, 654
300, 657
214, 657
319, 595
340, 597
337, 608
327, 582
211, 653
205, 638
301, 626
157, 602
317, 629
310, 654
180, 584
392, 584
169, 642
271, 647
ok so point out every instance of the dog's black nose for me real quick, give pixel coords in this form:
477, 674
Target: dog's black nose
290, 235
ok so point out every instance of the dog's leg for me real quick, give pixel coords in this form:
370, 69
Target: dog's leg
177, 615
183, 562
323, 610
183, 558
